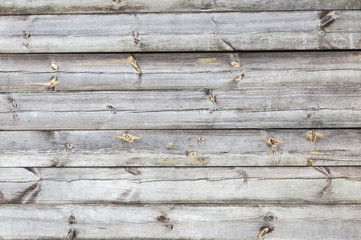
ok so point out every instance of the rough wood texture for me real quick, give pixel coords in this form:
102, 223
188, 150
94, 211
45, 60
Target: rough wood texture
269, 108
131, 6
181, 71
322, 185
180, 222
170, 148
180, 32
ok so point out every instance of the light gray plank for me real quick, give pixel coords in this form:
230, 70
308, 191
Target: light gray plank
321, 185
170, 148
180, 32
267, 108
181, 71
180, 221
127, 6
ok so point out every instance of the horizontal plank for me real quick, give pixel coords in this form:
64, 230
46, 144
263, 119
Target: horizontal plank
321, 185
187, 71
179, 222
267, 108
171, 148
126, 6
180, 32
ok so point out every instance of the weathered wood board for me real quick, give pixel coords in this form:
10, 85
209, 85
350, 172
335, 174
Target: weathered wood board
132, 6
181, 71
180, 221
321, 185
172, 148
232, 31
295, 108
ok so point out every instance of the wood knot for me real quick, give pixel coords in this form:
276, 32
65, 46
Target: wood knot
118, 1
200, 139
54, 66
272, 142
270, 217
13, 102
310, 163
26, 35
134, 63
264, 232
163, 218
127, 137
191, 154
235, 64
313, 135
211, 96
69, 146
239, 77
52, 83
71, 220
169, 227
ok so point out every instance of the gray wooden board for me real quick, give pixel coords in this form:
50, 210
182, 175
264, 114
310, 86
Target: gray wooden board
180, 32
132, 6
265, 108
171, 148
181, 71
285, 185
180, 221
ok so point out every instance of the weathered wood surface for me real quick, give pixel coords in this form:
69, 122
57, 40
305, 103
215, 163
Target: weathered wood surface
181, 71
180, 32
268, 108
132, 6
180, 221
321, 185
171, 148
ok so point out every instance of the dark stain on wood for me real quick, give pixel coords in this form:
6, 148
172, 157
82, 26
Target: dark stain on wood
72, 234
133, 171
20, 198
327, 18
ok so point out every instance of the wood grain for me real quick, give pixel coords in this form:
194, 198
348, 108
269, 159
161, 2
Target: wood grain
181, 71
170, 148
127, 6
305, 30
321, 185
180, 221
268, 108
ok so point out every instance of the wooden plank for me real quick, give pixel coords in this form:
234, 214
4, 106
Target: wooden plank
180, 32
126, 6
180, 221
171, 148
181, 71
321, 185
269, 108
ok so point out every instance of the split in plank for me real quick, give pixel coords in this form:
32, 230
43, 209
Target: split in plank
286, 185
172, 148
265, 108
180, 221
180, 71
310, 30
134, 6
